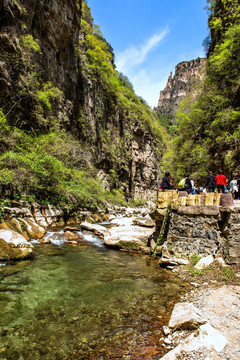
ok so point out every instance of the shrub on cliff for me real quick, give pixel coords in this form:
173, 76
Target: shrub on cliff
208, 127
54, 143
51, 176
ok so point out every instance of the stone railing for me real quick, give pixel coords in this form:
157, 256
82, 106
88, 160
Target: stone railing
182, 198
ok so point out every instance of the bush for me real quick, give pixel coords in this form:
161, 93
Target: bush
42, 169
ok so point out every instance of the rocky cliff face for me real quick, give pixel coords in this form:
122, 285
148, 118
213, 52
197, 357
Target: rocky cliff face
55, 25
40, 54
179, 85
123, 150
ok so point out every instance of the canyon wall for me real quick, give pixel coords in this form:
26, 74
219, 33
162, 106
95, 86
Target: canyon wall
179, 85
41, 55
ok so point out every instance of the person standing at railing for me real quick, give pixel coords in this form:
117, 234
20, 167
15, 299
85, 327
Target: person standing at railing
210, 182
234, 188
221, 182
166, 182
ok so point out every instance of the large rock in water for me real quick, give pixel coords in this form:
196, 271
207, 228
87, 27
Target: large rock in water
131, 238
143, 221
13, 246
98, 230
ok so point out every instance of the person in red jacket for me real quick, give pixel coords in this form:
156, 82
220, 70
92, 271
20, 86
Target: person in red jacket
221, 182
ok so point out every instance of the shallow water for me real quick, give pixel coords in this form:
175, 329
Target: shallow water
84, 302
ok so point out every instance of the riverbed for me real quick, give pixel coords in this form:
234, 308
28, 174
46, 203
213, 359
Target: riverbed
84, 302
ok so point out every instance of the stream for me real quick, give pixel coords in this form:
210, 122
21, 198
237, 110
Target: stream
84, 302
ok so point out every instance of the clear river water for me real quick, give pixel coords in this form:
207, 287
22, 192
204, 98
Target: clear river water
84, 302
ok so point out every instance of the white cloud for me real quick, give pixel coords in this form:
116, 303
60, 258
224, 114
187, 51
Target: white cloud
148, 84
149, 74
136, 55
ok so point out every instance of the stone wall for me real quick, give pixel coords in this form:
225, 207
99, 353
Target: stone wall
230, 227
194, 231
202, 230
182, 198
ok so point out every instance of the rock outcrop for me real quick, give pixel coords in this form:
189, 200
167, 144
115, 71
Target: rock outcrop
13, 246
206, 340
186, 316
41, 49
179, 85
129, 238
55, 26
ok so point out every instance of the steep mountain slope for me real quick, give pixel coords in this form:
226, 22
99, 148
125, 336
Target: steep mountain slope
208, 130
72, 128
179, 85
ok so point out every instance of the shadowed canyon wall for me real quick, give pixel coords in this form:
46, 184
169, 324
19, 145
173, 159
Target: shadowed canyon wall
43, 57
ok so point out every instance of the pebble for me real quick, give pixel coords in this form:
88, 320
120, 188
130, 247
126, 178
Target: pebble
167, 341
166, 330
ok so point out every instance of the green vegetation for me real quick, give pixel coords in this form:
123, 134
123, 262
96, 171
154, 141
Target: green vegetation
44, 168
51, 159
208, 130
214, 273
163, 229
29, 43
195, 259
47, 94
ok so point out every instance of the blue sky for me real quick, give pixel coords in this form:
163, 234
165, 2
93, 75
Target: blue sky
150, 38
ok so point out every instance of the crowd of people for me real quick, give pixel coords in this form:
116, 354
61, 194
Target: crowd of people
213, 183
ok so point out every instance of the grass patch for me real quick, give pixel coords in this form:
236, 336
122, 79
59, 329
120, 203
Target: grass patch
214, 273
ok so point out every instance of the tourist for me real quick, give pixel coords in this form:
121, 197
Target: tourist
188, 184
193, 187
238, 185
185, 184
221, 182
234, 188
166, 182
210, 182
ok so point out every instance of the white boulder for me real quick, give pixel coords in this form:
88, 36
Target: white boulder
206, 337
98, 230
128, 237
204, 262
185, 316
14, 246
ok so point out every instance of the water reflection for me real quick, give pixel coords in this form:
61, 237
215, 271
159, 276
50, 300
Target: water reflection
83, 303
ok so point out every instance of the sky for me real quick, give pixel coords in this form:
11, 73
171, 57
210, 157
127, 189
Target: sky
149, 38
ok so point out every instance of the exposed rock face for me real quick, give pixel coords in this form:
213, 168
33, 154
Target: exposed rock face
186, 316
129, 238
145, 167
83, 110
55, 24
179, 85
205, 340
13, 246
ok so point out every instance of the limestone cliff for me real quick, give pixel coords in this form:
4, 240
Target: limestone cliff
46, 84
55, 25
179, 85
